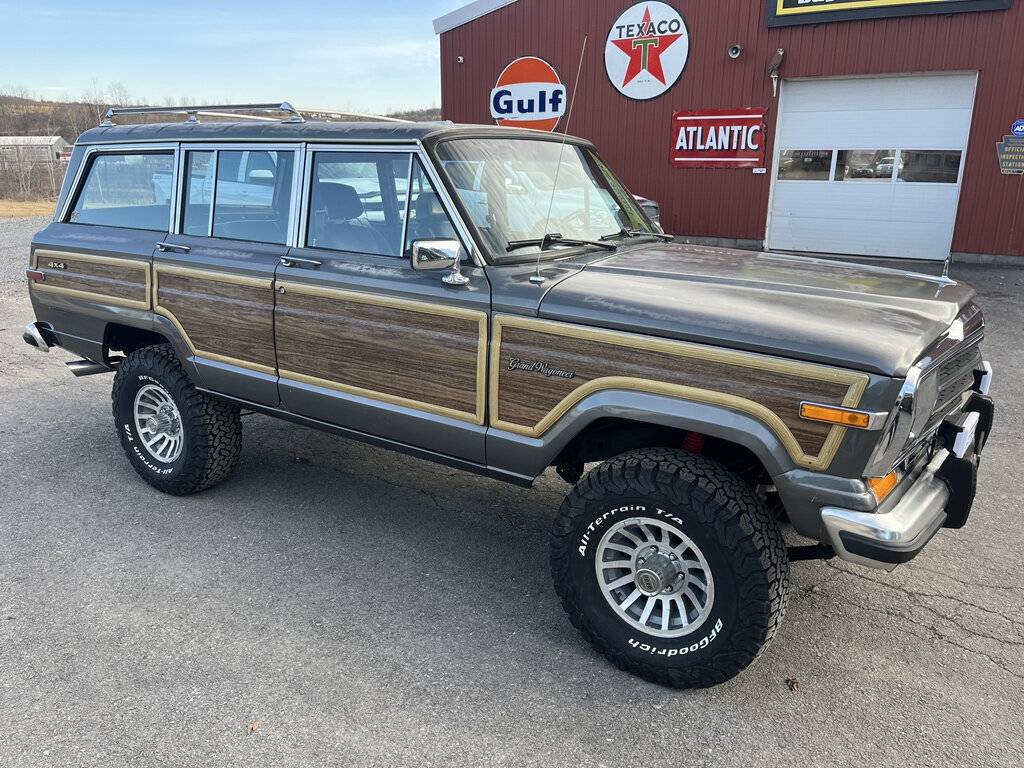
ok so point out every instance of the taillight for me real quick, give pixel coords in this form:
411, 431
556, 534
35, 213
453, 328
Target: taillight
35, 275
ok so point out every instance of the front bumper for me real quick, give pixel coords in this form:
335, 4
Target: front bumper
940, 496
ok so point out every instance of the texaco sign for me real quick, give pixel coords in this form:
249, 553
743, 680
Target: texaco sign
647, 50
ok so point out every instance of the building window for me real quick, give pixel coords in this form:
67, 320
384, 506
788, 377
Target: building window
132, 191
864, 165
930, 166
805, 164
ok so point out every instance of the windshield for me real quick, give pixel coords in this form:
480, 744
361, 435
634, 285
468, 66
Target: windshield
508, 188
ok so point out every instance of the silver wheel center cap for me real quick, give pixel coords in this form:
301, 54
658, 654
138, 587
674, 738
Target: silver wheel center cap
656, 573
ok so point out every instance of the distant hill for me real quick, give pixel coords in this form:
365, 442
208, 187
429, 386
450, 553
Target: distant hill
21, 116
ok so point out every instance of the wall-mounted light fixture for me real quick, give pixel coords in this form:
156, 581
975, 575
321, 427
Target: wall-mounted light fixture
773, 70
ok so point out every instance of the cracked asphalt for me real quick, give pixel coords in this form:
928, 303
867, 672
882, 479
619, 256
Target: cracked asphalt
334, 604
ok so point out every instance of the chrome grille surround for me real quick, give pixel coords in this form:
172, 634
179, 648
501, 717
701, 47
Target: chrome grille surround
934, 387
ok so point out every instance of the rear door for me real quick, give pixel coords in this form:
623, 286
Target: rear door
363, 340
214, 278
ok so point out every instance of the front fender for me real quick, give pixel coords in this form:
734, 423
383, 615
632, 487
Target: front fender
531, 456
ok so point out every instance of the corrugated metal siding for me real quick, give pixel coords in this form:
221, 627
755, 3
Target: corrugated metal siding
635, 137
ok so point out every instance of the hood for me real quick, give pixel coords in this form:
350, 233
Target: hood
867, 318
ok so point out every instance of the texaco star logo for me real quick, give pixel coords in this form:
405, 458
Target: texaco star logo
647, 50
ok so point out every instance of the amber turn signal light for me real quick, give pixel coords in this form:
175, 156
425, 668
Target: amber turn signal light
844, 417
882, 486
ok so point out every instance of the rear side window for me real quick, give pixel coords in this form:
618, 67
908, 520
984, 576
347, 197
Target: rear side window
250, 192
129, 190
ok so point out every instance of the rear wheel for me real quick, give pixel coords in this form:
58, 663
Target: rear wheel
178, 439
670, 566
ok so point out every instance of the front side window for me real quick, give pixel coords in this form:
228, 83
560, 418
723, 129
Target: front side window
357, 202
523, 189
427, 217
129, 190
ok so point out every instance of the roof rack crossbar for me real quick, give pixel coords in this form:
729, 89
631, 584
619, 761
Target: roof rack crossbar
192, 113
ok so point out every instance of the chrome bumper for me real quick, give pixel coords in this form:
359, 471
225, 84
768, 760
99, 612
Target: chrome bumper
886, 539
33, 336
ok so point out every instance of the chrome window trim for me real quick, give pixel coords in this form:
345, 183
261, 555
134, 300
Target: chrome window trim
216, 147
124, 148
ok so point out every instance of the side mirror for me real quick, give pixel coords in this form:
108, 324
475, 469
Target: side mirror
429, 255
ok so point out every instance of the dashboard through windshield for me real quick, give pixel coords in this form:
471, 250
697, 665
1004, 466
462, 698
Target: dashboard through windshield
517, 190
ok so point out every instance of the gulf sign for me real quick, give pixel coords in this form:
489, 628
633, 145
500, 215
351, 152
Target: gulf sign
529, 94
718, 138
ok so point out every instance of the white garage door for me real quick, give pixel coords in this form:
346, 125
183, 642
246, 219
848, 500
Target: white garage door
870, 166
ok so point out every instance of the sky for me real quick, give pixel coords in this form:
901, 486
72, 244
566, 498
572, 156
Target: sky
375, 56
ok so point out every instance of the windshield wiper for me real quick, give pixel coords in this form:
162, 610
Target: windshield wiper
624, 232
556, 239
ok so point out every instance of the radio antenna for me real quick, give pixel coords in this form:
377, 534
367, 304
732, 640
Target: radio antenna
537, 276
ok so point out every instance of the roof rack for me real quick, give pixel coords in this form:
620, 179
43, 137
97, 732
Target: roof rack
224, 110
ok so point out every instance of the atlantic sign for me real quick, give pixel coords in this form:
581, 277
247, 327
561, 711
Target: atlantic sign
647, 50
718, 138
783, 13
529, 94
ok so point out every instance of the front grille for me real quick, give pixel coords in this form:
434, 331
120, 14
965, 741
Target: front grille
955, 376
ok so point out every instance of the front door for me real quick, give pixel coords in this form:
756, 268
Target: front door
213, 279
363, 340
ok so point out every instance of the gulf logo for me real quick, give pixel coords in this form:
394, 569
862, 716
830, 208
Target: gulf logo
528, 94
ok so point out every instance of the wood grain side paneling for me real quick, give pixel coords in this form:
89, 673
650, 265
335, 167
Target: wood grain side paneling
109, 280
222, 317
531, 387
424, 356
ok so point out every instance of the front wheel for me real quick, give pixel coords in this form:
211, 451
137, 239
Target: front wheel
180, 441
670, 566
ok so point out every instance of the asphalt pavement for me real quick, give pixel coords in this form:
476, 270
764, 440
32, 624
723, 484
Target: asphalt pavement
336, 604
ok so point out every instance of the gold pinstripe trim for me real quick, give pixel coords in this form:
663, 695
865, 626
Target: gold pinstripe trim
857, 382
476, 417
217, 277
102, 298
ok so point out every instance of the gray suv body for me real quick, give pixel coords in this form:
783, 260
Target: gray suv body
495, 300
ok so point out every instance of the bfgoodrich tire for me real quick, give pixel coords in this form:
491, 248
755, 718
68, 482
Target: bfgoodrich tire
178, 439
670, 566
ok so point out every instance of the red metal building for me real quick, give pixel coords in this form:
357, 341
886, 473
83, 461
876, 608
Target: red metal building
880, 129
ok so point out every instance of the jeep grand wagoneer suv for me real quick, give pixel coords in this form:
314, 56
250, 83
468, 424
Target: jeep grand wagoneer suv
493, 300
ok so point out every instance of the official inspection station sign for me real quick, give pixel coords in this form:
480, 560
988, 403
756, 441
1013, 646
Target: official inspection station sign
1011, 155
783, 13
718, 138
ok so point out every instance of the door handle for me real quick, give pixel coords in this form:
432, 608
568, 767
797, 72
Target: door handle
173, 247
293, 261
